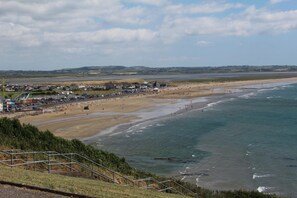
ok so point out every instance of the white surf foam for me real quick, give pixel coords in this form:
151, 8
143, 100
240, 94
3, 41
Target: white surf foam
214, 103
263, 189
197, 181
255, 176
270, 89
247, 96
287, 86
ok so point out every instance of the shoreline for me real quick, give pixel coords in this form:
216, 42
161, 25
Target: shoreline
189, 105
117, 114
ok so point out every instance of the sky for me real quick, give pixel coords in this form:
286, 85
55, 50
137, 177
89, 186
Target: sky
56, 34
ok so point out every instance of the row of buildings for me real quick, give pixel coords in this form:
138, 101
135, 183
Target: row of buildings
43, 95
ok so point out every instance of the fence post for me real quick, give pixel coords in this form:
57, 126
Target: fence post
34, 161
70, 162
49, 163
11, 160
27, 166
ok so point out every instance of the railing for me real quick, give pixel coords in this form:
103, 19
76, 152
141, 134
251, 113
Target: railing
167, 186
74, 163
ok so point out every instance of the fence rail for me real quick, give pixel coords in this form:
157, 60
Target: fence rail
74, 163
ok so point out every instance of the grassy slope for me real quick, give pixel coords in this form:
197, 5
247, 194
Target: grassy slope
76, 185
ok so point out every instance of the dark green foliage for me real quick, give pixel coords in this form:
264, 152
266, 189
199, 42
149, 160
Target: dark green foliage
38, 93
27, 137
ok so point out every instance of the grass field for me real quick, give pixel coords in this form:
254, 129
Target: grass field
75, 185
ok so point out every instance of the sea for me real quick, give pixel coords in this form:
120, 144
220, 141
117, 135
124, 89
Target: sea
245, 141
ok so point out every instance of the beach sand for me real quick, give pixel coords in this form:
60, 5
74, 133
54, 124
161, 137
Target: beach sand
72, 121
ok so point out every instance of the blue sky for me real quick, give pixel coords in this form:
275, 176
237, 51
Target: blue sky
55, 34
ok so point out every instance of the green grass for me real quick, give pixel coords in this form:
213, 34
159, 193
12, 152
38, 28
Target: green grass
75, 185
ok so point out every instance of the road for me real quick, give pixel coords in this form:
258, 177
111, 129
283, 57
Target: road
14, 192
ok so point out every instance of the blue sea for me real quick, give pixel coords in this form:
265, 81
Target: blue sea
247, 141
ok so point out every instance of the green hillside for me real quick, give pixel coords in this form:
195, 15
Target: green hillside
79, 186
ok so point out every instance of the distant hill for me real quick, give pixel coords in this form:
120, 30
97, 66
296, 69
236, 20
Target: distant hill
142, 70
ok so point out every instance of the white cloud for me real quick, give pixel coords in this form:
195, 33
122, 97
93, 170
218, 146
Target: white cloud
251, 22
101, 36
212, 7
276, 1
203, 43
150, 2
34, 23
82, 26
107, 11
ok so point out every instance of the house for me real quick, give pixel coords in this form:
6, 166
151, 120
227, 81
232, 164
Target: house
8, 105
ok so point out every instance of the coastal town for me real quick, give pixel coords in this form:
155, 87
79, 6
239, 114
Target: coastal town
25, 97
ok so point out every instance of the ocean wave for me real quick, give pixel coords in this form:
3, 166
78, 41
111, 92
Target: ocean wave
255, 176
247, 96
209, 105
114, 134
185, 171
263, 189
273, 97
268, 89
214, 103
287, 86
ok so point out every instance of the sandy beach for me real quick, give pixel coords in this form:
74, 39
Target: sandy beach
72, 121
